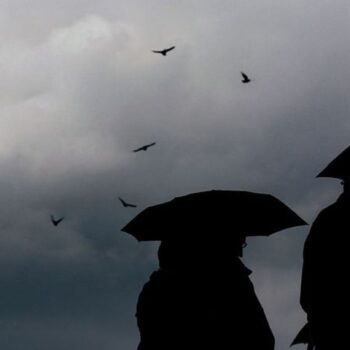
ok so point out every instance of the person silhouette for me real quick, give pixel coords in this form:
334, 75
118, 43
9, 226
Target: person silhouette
324, 286
201, 297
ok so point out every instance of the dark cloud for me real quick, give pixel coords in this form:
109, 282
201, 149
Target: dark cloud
81, 89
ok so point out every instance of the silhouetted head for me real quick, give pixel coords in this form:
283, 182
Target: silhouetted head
204, 253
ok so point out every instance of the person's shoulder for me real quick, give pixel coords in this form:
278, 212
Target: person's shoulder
327, 219
335, 211
328, 212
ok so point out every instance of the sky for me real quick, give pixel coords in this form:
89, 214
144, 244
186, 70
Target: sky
80, 89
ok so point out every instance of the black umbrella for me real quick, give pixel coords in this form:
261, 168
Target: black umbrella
222, 212
304, 337
338, 167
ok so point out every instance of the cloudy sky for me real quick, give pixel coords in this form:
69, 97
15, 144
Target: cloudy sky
80, 89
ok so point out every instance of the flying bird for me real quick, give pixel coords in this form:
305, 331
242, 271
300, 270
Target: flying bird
54, 221
125, 204
165, 51
144, 148
245, 78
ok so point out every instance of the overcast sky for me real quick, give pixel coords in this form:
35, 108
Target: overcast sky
80, 89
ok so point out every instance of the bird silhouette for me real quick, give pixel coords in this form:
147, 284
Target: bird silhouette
54, 221
165, 51
245, 78
144, 148
125, 204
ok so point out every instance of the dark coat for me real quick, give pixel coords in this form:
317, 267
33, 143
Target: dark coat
324, 288
189, 310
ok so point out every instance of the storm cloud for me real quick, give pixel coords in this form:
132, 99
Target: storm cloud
80, 89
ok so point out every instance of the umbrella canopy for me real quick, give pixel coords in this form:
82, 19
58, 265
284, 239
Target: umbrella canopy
339, 167
303, 337
222, 212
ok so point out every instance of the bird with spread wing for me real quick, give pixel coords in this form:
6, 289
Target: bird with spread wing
245, 78
54, 221
125, 204
165, 51
144, 148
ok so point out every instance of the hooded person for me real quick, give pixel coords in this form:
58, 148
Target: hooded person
201, 297
324, 287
